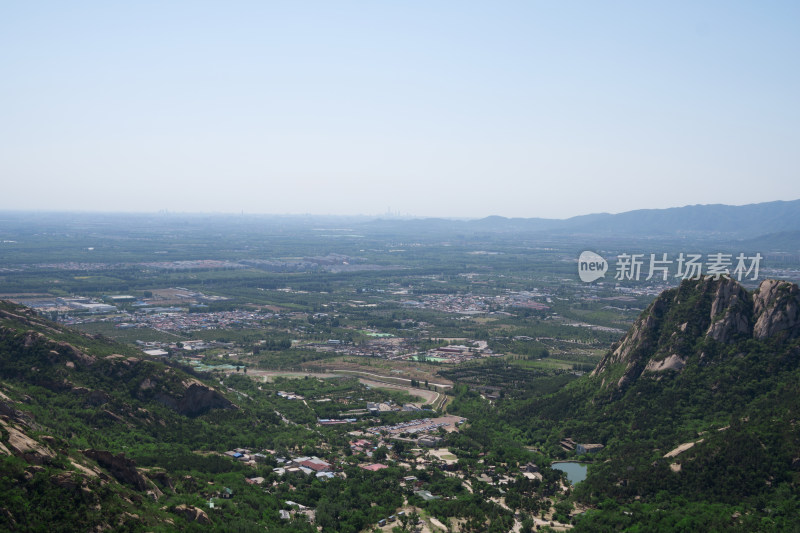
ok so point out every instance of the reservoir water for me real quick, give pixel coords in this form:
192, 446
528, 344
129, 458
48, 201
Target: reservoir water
576, 472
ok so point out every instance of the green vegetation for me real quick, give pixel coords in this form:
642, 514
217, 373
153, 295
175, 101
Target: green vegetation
496, 327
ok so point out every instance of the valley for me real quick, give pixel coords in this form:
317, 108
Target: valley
157, 376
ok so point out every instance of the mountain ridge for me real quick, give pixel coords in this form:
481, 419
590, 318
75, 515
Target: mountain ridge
68, 402
700, 220
719, 309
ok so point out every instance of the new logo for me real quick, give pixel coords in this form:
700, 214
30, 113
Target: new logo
591, 266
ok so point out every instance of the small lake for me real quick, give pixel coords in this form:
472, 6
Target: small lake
576, 472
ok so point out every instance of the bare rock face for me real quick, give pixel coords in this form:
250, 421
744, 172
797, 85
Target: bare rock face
777, 310
21, 445
195, 400
731, 312
640, 336
191, 513
75, 354
124, 470
664, 336
31, 338
673, 362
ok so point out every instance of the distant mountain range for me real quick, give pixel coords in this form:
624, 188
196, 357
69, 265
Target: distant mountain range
716, 220
776, 223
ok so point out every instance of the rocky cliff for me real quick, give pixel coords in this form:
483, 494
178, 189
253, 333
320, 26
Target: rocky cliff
671, 332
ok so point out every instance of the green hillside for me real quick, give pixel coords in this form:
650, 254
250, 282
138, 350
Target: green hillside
95, 437
709, 366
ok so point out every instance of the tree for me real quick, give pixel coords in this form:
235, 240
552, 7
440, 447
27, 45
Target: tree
380, 454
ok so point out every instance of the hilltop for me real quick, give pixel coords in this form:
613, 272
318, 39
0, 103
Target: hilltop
667, 335
697, 407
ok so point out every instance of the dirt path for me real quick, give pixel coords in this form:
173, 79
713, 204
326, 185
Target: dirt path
682, 448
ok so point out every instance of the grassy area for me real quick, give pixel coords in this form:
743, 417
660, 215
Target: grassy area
129, 336
400, 396
543, 364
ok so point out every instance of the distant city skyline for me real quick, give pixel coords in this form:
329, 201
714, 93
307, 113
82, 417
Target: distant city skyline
446, 109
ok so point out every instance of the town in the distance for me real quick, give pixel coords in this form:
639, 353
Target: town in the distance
252, 373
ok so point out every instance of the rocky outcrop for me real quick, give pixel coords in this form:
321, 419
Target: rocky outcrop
74, 354
60, 366
68, 480
777, 310
8, 409
196, 399
731, 312
57, 352
124, 470
20, 444
191, 513
664, 336
673, 362
92, 398
640, 337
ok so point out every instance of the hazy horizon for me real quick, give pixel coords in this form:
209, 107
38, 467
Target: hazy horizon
168, 212
452, 110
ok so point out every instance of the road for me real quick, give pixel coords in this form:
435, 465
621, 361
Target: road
372, 380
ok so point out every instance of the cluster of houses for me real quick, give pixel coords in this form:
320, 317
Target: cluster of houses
457, 353
393, 518
381, 347
307, 465
569, 445
295, 509
440, 458
246, 456
412, 426
361, 445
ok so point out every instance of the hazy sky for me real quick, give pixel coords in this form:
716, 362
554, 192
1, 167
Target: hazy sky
430, 108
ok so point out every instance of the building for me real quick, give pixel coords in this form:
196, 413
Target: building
568, 445
426, 495
314, 463
429, 441
373, 467
581, 449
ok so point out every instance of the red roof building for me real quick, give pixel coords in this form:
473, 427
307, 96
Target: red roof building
373, 467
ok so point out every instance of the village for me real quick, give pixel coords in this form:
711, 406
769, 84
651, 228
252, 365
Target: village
414, 447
